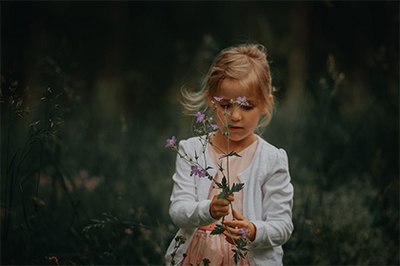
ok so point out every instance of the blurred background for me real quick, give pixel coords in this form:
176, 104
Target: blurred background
90, 93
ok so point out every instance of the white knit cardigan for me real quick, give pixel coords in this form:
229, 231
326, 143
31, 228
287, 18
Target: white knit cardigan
267, 200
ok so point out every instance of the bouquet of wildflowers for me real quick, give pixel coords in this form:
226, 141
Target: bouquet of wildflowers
205, 130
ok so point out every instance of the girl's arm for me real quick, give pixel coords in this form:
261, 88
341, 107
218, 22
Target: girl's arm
276, 226
186, 211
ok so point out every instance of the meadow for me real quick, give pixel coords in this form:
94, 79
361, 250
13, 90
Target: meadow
86, 177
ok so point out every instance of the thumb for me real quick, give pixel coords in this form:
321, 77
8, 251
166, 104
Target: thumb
237, 215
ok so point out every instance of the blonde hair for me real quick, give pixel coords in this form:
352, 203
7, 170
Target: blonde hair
246, 63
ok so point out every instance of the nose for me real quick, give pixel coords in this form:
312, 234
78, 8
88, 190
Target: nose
237, 115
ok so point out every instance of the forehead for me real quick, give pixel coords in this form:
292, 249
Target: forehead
232, 89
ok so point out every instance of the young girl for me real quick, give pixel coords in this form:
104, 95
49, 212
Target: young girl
264, 207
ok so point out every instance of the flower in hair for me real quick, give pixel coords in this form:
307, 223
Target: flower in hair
200, 117
218, 98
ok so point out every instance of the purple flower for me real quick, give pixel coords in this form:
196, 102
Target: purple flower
243, 232
202, 173
200, 117
214, 126
195, 170
218, 98
171, 142
242, 100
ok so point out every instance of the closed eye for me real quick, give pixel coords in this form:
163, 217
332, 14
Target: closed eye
225, 106
248, 107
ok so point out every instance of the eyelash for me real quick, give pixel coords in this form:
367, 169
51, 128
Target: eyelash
227, 106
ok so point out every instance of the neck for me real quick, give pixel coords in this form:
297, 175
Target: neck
220, 141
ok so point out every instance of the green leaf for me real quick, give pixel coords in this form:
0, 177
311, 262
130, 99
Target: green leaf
220, 167
223, 194
236, 256
224, 182
217, 230
237, 187
219, 184
232, 153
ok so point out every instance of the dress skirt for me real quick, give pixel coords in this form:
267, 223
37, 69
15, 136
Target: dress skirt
213, 247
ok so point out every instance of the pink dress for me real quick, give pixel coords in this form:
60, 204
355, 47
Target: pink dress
215, 247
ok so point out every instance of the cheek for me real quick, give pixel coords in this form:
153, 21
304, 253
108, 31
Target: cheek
219, 117
254, 118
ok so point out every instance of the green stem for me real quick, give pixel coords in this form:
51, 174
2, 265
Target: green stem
26, 220
5, 227
42, 150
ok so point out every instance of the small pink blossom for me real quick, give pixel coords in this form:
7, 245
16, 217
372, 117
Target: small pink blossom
43, 180
92, 183
128, 231
83, 174
77, 182
53, 260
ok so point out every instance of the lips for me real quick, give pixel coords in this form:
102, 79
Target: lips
235, 128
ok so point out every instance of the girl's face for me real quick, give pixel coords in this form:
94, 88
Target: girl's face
244, 119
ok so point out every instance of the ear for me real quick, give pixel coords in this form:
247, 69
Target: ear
265, 108
271, 98
209, 100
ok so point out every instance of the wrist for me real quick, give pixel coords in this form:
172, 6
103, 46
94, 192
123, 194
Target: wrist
212, 215
253, 232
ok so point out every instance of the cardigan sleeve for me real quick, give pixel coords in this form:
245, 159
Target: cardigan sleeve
276, 226
186, 210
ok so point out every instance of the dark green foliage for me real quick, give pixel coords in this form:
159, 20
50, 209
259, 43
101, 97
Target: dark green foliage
114, 70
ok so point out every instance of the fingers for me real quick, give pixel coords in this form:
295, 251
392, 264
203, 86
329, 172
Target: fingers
230, 238
218, 212
223, 202
238, 216
231, 198
232, 234
240, 227
220, 207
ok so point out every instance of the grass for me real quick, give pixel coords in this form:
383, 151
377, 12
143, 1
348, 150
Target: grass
92, 189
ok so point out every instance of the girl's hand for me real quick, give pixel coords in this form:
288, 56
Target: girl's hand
240, 224
220, 207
